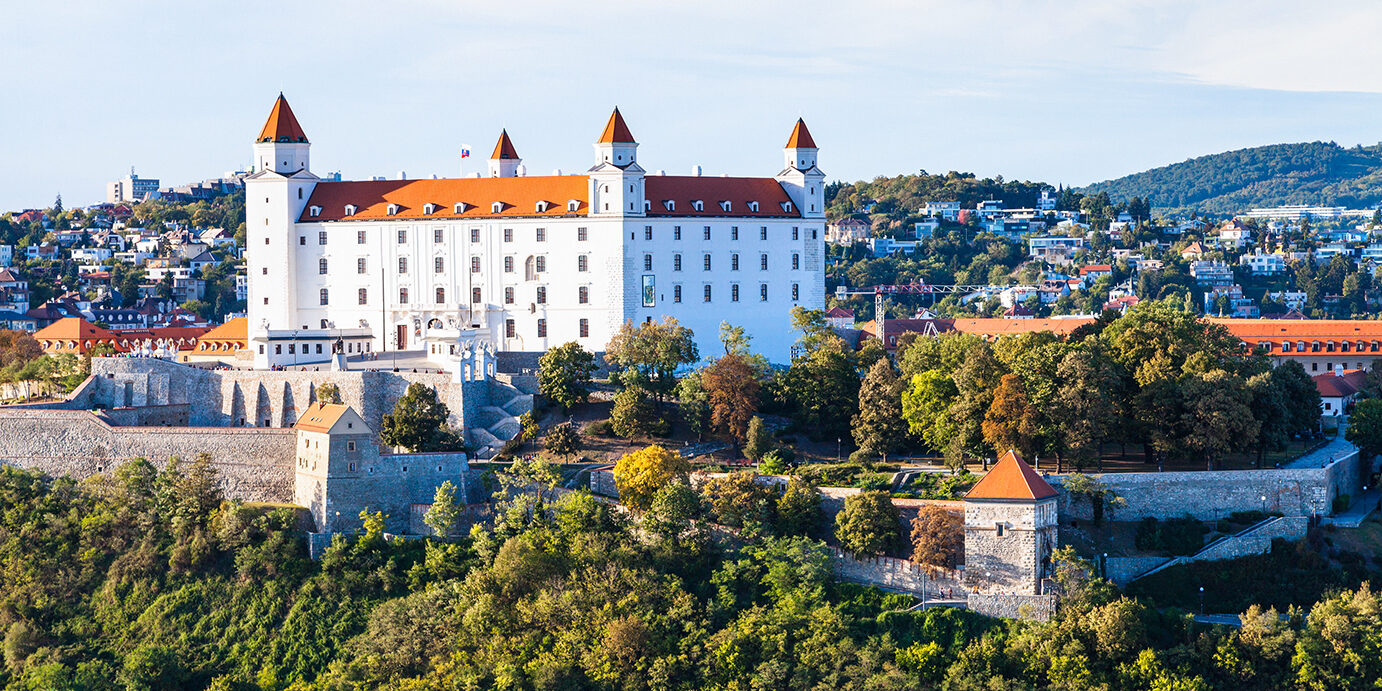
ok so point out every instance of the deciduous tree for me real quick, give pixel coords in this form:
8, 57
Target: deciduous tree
444, 512
417, 422
563, 375
655, 350
868, 524
640, 474
879, 427
1011, 420
732, 391
938, 538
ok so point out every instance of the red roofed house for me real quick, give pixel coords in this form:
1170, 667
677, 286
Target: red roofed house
1093, 272
1338, 389
840, 318
1010, 528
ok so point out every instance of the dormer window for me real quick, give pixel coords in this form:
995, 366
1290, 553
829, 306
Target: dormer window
573, 205
753, 206
787, 206
698, 205
725, 206
393, 209
460, 207
314, 211
496, 207
350, 209
647, 205
429, 208
669, 205
542, 207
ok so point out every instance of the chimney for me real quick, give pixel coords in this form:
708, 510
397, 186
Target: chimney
1338, 370
696, 170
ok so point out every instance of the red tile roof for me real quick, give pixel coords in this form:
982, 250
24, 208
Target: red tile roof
519, 196
682, 190
504, 147
282, 126
1331, 385
320, 417
1011, 478
840, 313
616, 132
1089, 268
801, 137
1005, 327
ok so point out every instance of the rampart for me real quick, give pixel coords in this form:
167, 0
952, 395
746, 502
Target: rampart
253, 464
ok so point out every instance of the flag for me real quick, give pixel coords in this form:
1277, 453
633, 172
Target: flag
465, 152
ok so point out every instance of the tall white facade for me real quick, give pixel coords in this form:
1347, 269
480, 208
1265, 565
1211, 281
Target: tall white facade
527, 263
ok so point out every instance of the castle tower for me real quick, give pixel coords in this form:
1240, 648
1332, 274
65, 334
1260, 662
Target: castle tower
504, 162
1010, 528
803, 181
616, 180
336, 453
281, 146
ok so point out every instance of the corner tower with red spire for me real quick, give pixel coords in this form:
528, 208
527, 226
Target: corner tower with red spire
803, 181
281, 146
616, 180
1010, 528
504, 162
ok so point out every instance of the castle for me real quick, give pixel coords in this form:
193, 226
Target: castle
524, 263
1010, 527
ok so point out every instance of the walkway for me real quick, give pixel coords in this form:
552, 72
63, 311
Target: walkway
1363, 505
1323, 456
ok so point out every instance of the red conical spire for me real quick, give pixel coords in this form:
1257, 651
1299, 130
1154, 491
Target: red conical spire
801, 137
616, 132
282, 126
504, 148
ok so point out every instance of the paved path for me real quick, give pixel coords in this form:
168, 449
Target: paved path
1363, 505
1221, 619
1323, 456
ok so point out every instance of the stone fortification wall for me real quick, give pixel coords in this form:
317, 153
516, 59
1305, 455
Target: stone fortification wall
1009, 606
897, 574
1211, 495
149, 416
393, 484
253, 464
1255, 540
1123, 570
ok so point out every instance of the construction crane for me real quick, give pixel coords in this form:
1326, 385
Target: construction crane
879, 292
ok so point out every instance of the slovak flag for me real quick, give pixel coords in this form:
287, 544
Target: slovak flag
465, 152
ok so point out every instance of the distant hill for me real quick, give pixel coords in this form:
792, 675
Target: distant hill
1307, 173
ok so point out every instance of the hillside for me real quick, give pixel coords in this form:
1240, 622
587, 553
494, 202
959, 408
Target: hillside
1305, 173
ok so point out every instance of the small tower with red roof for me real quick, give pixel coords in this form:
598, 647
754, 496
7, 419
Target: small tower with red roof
281, 146
803, 181
504, 162
1010, 528
616, 180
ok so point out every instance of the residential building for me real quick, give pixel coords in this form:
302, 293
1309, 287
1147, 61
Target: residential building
848, 231
131, 188
1211, 273
1260, 264
950, 211
1054, 249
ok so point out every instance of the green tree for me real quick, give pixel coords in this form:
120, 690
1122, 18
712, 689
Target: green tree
1090, 404
695, 404
444, 512
879, 427
1365, 427
1299, 396
634, 415
654, 351
759, 440
926, 404
563, 439
640, 474
799, 509
823, 389
738, 501
868, 525
563, 375
1218, 415
329, 393
418, 421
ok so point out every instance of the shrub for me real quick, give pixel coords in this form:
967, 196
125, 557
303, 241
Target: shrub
874, 481
1248, 517
1341, 503
1178, 536
600, 428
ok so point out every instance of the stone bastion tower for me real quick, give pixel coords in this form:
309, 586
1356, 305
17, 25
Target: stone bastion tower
1010, 528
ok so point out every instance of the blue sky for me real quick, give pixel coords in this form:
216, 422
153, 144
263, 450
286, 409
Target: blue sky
1070, 92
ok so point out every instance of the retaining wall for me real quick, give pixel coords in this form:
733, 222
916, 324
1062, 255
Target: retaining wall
896, 574
1033, 607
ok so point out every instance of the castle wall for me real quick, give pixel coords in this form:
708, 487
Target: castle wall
252, 464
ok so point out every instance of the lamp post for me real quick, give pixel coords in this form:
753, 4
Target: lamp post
1201, 600
838, 448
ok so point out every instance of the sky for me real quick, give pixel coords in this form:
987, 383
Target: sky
1067, 92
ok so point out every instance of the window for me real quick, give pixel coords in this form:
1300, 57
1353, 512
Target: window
363, 296
542, 328
436, 234
706, 263
585, 328
542, 295
542, 235
582, 234
676, 232
321, 267
734, 232
508, 265
762, 292
796, 292
583, 263
321, 237
475, 265
508, 235
676, 262
438, 265
403, 265
647, 232
796, 261
509, 330
647, 262
359, 237
762, 262
541, 264
302, 240
583, 295
734, 292
813, 233
350, 446
264, 270
323, 296
441, 296
403, 296
474, 296
707, 293
402, 237
508, 296
676, 293
796, 233
763, 232
707, 232
474, 234
734, 262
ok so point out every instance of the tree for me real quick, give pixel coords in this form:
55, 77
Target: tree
879, 428
654, 350
823, 388
758, 440
1365, 427
563, 439
1299, 396
926, 404
738, 501
445, 512
640, 474
1011, 420
418, 421
1102, 500
938, 538
732, 391
868, 525
695, 404
672, 515
329, 393
1218, 415
1089, 405
633, 414
563, 375
1269, 410
799, 509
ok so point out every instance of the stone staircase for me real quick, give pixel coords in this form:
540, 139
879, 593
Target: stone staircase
495, 424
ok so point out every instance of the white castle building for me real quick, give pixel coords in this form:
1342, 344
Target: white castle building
524, 263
